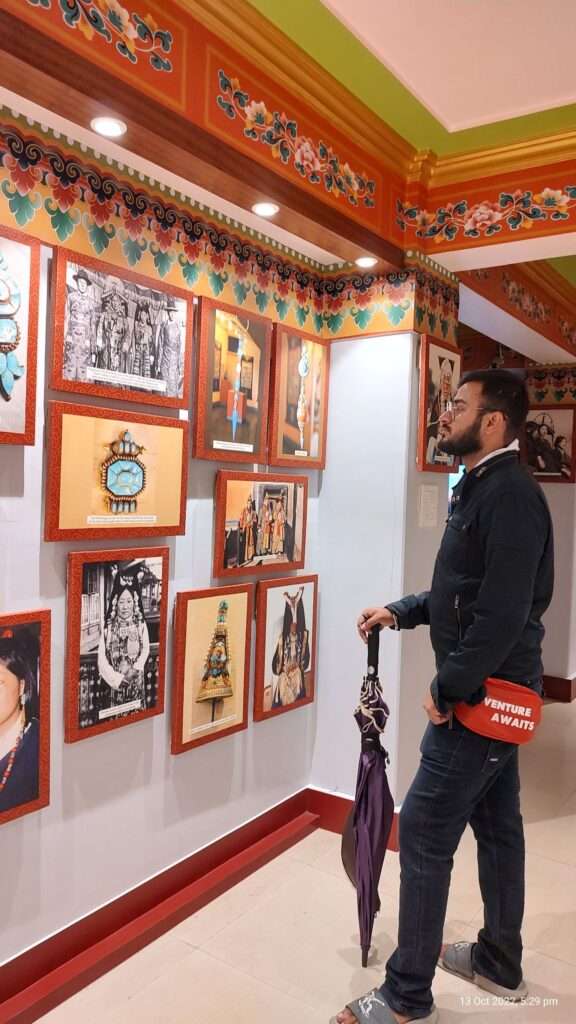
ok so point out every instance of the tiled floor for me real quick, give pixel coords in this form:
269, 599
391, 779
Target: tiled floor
282, 946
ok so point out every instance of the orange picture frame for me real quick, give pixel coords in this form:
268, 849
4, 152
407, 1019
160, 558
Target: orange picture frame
26, 436
80, 618
280, 426
229, 449
76, 456
145, 293
269, 646
283, 548
212, 596
434, 356
9, 625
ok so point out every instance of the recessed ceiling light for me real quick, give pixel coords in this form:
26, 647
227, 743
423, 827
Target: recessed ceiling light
366, 262
265, 209
110, 127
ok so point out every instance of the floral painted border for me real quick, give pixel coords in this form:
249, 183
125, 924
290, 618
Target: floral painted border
552, 385
315, 161
514, 210
134, 35
530, 307
84, 204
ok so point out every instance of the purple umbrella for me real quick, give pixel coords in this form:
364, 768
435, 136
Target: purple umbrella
368, 827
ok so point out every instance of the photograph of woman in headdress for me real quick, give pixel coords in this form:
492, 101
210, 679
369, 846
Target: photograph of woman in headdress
549, 443
291, 658
124, 642
19, 715
142, 347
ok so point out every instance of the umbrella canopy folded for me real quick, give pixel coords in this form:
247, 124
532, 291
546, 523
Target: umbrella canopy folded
368, 827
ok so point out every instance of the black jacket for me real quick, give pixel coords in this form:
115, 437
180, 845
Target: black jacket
492, 582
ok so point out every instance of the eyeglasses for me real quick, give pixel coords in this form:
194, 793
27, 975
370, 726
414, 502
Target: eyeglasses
455, 409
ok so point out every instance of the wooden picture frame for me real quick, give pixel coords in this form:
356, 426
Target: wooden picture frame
551, 456
148, 483
275, 687
277, 541
20, 256
435, 355
295, 396
25, 646
224, 429
122, 336
96, 699
194, 642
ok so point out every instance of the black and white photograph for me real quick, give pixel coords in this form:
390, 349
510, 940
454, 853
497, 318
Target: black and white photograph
116, 629
549, 444
119, 334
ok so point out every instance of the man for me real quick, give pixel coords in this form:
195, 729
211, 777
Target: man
492, 582
79, 351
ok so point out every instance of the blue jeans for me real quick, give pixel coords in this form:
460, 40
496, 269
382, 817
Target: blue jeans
463, 778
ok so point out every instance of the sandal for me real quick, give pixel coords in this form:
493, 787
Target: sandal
372, 1009
456, 958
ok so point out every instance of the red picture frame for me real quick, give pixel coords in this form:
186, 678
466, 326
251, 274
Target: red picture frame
277, 488
183, 599
96, 388
228, 451
28, 435
453, 356
279, 386
261, 699
7, 623
545, 450
132, 419
78, 617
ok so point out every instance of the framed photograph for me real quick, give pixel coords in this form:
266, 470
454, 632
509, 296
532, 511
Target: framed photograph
233, 378
440, 369
120, 335
286, 622
212, 635
112, 473
24, 713
116, 639
19, 287
300, 402
550, 444
260, 523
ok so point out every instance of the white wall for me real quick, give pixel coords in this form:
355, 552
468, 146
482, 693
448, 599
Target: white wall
122, 808
372, 552
559, 650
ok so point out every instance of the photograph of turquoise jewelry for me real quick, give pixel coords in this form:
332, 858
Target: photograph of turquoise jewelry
10, 301
123, 475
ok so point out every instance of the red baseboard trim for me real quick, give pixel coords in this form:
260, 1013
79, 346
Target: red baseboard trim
559, 689
46, 975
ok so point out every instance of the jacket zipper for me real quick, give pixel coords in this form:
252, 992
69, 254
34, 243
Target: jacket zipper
459, 621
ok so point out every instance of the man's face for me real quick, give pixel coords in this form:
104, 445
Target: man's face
461, 429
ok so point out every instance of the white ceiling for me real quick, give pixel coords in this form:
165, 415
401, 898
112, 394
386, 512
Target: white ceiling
471, 62
160, 176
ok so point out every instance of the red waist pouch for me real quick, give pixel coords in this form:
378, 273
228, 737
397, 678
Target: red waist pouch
509, 712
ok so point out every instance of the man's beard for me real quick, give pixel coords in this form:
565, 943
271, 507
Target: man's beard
467, 444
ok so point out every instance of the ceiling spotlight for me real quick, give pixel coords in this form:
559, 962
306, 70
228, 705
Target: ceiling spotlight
265, 209
110, 127
366, 262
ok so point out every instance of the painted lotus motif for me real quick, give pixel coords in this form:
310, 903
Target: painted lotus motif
132, 34
315, 161
512, 210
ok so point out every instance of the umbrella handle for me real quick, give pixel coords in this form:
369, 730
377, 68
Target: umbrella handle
373, 650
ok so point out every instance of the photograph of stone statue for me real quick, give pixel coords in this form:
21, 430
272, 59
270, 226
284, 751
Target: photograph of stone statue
212, 633
285, 645
19, 287
440, 367
300, 403
116, 638
233, 378
24, 713
549, 444
119, 334
260, 523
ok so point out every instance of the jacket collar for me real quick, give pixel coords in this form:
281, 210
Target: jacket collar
507, 458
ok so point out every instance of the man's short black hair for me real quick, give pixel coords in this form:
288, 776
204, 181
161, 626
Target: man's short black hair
503, 391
